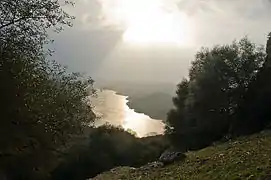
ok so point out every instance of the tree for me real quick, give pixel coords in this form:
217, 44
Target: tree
24, 24
176, 120
42, 105
32, 17
254, 110
218, 79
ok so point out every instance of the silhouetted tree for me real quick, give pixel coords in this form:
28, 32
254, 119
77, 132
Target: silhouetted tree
254, 112
218, 79
176, 120
42, 105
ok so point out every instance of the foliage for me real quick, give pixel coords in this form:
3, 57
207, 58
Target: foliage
205, 104
107, 147
42, 105
245, 158
28, 20
254, 110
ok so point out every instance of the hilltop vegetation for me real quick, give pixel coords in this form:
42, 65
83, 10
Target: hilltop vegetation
222, 96
244, 158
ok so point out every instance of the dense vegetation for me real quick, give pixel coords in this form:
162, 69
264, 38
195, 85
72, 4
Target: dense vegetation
247, 157
227, 94
107, 147
42, 105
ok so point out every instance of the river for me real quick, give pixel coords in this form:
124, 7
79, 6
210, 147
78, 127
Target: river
112, 108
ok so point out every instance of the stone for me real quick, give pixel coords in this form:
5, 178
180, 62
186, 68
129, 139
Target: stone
169, 157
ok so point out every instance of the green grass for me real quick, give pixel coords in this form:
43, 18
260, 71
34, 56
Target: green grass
245, 158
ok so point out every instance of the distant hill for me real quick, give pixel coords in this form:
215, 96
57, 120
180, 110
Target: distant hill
137, 88
152, 99
155, 105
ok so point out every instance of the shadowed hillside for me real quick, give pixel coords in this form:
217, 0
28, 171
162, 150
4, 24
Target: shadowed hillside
155, 105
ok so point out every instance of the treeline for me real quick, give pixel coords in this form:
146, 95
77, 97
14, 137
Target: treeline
227, 94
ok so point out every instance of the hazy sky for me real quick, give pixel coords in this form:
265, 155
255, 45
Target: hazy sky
96, 44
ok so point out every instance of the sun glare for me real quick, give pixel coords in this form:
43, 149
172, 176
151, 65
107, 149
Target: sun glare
152, 22
141, 123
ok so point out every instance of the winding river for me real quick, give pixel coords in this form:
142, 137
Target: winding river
112, 108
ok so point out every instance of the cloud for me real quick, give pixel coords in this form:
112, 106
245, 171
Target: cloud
96, 34
84, 50
256, 11
88, 13
248, 9
97, 14
194, 7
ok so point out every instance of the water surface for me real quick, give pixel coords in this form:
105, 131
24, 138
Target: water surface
112, 108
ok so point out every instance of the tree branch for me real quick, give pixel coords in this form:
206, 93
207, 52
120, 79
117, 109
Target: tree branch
11, 22
20, 19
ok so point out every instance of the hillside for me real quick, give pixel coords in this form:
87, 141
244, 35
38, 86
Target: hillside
151, 98
155, 105
245, 158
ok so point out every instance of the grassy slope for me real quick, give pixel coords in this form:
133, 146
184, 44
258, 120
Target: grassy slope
244, 158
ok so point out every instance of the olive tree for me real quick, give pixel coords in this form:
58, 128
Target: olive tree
42, 105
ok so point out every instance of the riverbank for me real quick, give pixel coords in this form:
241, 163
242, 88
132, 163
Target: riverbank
112, 107
153, 99
155, 105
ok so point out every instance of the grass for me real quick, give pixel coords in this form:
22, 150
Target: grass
245, 158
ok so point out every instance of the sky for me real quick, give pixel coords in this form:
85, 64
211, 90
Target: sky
153, 40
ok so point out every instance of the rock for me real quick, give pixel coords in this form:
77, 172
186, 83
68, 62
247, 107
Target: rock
169, 157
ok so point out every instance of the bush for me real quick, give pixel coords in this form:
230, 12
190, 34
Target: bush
105, 148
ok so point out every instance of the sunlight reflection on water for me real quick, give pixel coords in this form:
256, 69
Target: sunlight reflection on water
112, 108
